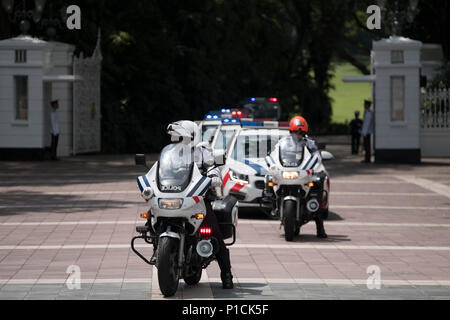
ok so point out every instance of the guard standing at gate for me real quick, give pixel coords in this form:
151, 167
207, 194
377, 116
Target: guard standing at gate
54, 129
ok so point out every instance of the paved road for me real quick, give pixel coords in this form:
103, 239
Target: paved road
82, 212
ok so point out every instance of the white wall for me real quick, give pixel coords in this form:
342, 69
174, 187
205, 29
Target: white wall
43, 58
397, 134
21, 134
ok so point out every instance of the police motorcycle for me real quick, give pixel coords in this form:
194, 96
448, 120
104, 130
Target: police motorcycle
297, 184
176, 192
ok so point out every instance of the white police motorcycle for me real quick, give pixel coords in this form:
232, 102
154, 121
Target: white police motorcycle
176, 191
298, 185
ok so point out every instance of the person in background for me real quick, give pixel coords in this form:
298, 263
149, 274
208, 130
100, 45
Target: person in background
54, 128
355, 131
367, 129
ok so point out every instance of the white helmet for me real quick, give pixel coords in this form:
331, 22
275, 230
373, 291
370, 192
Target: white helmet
184, 131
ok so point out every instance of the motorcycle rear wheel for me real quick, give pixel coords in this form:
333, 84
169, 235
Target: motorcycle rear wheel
290, 207
167, 266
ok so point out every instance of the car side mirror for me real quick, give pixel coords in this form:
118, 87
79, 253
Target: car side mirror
139, 159
326, 155
219, 157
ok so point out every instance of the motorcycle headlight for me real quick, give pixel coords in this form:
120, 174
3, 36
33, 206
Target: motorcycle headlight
290, 175
170, 204
237, 176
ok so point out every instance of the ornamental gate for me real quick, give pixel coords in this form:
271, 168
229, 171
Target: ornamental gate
435, 123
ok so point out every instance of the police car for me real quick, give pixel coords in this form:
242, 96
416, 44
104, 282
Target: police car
259, 108
245, 167
225, 133
209, 125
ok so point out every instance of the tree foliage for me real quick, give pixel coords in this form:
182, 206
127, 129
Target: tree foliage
166, 60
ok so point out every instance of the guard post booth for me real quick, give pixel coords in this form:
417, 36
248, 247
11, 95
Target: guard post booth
396, 91
34, 72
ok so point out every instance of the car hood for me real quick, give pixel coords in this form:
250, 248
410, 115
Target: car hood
250, 166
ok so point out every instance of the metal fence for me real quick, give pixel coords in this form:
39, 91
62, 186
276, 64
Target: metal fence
435, 109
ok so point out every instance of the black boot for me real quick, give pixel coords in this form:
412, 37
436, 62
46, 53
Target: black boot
227, 280
319, 226
223, 258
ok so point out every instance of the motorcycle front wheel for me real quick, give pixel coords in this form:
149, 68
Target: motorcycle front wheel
289, 210
195, 270
167, 266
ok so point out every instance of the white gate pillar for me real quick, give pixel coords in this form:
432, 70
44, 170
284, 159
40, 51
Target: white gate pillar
397, 100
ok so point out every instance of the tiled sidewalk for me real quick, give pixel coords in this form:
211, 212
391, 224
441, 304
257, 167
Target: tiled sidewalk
82, 211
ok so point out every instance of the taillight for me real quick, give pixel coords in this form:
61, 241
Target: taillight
205, 232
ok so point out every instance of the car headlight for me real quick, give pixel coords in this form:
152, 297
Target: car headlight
237, 176
170, 204
290, 175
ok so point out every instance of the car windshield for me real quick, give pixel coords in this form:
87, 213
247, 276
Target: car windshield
258, 145
175, 167
208, 132
263, 110
223, 139
291, 152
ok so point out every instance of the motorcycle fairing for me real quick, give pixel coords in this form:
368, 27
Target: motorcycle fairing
192, 196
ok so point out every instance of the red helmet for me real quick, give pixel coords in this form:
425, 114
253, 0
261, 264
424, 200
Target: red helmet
298, 124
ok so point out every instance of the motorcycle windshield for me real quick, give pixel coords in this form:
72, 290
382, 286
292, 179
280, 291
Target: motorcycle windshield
291, 152
175, 167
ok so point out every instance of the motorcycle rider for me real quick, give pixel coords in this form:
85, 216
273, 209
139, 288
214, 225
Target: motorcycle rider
188, 133
298, 129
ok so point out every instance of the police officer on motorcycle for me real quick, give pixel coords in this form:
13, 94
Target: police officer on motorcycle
188, 132
298, 129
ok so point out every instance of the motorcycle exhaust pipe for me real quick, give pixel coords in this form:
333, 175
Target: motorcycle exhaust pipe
312, 205
205, 248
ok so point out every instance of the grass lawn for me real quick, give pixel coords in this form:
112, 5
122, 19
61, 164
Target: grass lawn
347, 97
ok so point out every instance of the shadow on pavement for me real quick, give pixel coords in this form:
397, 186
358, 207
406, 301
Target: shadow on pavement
333, 216
21, 202
311, 237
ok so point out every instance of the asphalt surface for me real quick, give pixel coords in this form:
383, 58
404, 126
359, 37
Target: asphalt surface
73, 219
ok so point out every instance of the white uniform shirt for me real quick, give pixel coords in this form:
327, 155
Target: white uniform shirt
204, 159
54, 123
367, 127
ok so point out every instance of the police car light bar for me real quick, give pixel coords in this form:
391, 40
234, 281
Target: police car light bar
212, 117
266, 124
225, 110
230, 121
252, 124
273, 99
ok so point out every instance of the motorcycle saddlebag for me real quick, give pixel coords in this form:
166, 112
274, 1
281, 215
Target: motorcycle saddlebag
223, 210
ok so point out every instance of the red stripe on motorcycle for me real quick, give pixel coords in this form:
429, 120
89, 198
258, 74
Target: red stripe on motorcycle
225, 179
196, 199
238, 186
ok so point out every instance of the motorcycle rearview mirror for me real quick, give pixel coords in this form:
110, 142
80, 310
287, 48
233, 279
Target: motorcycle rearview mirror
326, 155
139, 159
